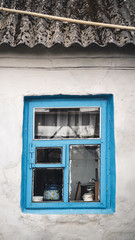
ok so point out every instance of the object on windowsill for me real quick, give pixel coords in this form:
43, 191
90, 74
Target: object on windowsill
89, 189
37, 199
88, 197
52, 192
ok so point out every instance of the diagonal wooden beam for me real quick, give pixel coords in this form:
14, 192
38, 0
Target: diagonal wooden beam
69, 20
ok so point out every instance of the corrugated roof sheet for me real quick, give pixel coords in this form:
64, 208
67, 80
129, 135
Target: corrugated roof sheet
18, 29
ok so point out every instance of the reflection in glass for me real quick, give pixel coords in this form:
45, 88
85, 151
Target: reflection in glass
48, 155
55, 123
47, 184
84, 173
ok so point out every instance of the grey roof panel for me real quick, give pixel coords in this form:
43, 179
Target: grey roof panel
18, 29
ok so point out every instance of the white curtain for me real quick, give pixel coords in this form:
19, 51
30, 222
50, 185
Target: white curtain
66, 123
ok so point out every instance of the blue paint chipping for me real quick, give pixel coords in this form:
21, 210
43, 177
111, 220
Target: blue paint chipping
108, 174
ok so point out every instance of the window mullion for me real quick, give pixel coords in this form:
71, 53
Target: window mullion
66, 173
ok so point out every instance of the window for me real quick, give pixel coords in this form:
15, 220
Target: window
68, 163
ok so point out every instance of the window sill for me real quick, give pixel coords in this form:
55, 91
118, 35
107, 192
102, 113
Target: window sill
69, 211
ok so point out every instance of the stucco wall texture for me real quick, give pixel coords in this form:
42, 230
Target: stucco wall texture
74, 71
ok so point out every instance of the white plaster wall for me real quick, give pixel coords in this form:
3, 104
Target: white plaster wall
80, 71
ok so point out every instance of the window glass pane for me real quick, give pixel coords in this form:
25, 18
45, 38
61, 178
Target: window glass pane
49, 155
47, 184
57, 123
84, 173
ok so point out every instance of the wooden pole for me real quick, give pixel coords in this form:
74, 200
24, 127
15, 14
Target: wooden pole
96, 191
77, 191
70, 20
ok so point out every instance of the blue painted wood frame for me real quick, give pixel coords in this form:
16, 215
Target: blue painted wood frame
107, 188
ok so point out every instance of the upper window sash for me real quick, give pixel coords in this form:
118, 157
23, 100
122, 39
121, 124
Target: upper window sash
65, 104
66, 123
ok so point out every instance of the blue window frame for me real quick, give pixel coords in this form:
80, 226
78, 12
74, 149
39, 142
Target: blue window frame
39, 143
